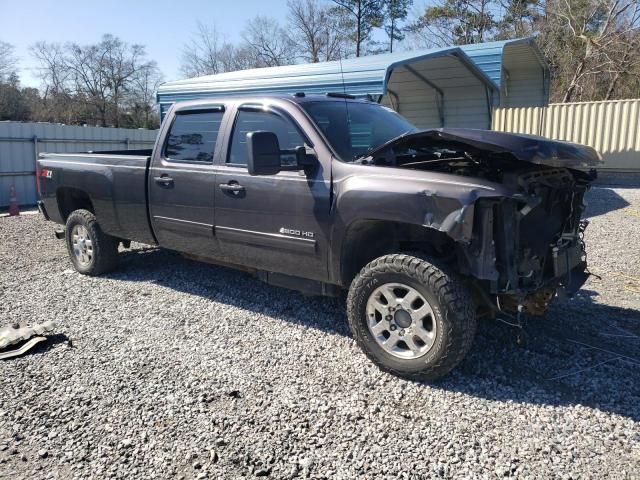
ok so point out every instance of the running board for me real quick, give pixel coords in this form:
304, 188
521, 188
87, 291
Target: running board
303, 285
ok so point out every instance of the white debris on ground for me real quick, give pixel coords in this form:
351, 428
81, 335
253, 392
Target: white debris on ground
169, 368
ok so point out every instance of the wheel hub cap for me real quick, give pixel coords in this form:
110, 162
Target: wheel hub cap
401, 320
82, 245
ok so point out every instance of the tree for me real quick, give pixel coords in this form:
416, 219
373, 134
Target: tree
395, 11
13, 105
140, 101
519, 18
592, 46
268, 43
92, 83
317, 31
8, 62
366, 15
455, 22
202, 55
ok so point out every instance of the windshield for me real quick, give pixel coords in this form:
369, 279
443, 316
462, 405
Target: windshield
354, 128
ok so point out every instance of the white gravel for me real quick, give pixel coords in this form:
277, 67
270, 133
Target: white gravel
170, 368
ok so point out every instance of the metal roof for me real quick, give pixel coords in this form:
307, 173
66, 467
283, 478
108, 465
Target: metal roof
358, 76
363, 75
489, 56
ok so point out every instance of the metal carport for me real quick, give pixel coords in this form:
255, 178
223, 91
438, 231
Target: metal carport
453, 86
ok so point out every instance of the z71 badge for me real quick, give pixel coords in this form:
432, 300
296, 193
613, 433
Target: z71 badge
297, 233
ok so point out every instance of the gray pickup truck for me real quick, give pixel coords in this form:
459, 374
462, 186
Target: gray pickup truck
425, 230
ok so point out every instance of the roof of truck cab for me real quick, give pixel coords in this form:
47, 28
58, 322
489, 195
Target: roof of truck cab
298, 97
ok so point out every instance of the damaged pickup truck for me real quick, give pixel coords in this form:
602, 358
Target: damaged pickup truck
425, 230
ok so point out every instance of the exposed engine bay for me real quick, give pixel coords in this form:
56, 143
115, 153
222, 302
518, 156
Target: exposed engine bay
525, 245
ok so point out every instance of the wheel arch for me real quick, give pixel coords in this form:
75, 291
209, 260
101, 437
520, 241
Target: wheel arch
366, 239
70, 199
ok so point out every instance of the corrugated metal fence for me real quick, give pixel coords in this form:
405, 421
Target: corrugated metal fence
20, 144
610, 127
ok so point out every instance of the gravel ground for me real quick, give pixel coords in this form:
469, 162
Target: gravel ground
169, 368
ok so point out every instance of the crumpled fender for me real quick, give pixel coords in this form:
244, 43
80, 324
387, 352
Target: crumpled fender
439, 201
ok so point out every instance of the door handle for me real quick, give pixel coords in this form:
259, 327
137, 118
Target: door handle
164, 180
231, 187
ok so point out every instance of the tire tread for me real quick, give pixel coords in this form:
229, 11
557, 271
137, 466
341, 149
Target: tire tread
105, 246
449, 288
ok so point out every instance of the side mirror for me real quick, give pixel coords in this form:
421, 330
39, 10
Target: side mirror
305, 158
263, 152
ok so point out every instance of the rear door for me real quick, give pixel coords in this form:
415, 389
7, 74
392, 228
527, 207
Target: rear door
182, 181
276, 222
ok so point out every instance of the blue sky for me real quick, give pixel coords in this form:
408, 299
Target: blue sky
163, 26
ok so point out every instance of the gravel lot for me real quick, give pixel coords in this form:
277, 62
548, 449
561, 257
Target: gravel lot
169, 368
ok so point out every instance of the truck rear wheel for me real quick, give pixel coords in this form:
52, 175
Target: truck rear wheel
411, 317
92, 251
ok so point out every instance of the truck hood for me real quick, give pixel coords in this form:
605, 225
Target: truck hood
525, 148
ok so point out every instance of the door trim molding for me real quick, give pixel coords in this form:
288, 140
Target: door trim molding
263, 239
179, 225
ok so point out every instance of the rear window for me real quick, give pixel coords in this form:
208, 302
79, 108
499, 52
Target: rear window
193, 136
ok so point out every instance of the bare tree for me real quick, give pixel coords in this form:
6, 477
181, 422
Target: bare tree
201, 56
270, 43
140, 101
91, 83
318, 32
8, 62
121, 65
626, 68
239, 57
591, 42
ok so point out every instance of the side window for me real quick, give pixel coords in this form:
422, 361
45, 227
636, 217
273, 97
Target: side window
193, 135
288, 134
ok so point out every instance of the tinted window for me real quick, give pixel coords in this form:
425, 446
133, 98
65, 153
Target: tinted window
193, 136
288, 135
353, 128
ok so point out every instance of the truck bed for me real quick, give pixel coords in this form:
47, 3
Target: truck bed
115, 181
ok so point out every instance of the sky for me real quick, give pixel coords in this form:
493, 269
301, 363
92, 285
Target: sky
163, 26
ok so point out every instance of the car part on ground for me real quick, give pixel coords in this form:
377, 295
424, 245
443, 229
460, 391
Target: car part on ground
22, 339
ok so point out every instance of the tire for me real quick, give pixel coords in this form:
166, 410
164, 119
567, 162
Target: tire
84, 235
442, 316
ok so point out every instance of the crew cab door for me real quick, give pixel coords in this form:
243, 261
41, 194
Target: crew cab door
182, 181
276, 223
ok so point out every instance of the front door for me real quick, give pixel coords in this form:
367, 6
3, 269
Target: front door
276, 222
182, 182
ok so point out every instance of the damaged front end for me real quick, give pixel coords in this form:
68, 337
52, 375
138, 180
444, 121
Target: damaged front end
525, 247
526, 242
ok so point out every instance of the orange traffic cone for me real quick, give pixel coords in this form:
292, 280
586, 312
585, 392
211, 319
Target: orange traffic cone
13, 202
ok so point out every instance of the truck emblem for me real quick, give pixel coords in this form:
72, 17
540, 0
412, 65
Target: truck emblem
297, 233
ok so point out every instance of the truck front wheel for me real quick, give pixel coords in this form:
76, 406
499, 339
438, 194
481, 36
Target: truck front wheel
411, 317
92, 251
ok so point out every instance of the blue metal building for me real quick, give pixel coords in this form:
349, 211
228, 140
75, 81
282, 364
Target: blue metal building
453, 86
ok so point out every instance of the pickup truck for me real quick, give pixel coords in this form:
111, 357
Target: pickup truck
424, 230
